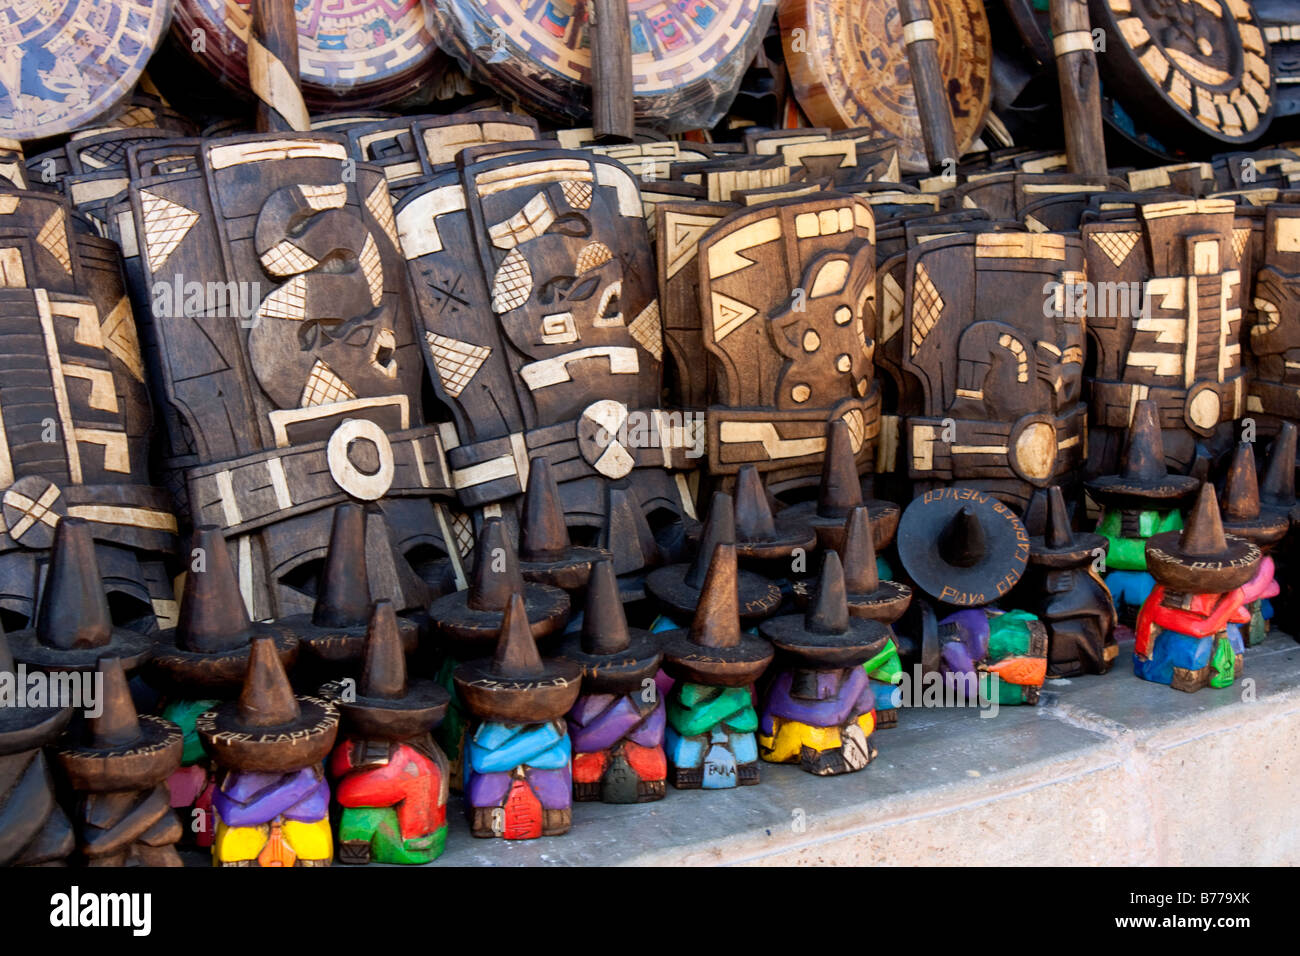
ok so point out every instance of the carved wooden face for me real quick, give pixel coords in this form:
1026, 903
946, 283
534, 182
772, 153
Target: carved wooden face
324, 334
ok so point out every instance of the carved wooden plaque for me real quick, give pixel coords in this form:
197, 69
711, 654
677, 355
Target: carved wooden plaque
848, 64
64, 64
1274, 338
1187, 69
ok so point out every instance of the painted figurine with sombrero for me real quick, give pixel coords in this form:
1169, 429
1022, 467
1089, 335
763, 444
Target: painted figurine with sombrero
517, 765
617, 724
819, 710
119, 770
1245, 516
1062, 588
1142, 500
272, 801
547, 555
1189, 631
966, 550
710, 740
765, 543
390, 778
34, 830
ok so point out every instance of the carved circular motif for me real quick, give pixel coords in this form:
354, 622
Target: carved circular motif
603, 428
684, 54
1203, 408
848, 64
1033, 449
65, 62
1199, 65
33, 507
353, 449
350, 52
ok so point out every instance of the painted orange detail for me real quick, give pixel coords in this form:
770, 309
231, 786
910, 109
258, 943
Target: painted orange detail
523, 813
1021, 670
588, 768
649, 763
277, 851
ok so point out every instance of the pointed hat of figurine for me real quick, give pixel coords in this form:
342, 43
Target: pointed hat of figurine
614, 658
759, 535
1060, 546
121, 749
839, 492
546, 553
715, 651
334, 634
1143, 481
517, 685
1202, 559
388, 705
827, 636
962, 546
1277, 491
73, 626
268, 729
629, 539
679, 586
868, 596
471, 619
206, 654
1240, 504
26, 728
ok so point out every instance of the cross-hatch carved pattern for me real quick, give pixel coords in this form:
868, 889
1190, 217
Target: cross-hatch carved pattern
381, 207
578, 194
1116, 245
927, 306
456, 361
165, 225
372, 267
1239, 239
513, 284
324, 387
53, 237
647, 329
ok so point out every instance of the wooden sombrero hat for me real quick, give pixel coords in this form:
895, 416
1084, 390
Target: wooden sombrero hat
546, 553
73, 627
759, 535
121, 750
679, 587
1277, 490
207, 653
1059, 546
334, 633
388, 705
614, 658
714, 651
1201, 559
1240, 506
26, 728
517, 685
868, 596
471, 620
839, 492
1143, 482
268, 729
962, 546
827, 636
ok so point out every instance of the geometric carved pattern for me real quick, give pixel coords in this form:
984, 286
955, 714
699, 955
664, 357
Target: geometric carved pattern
324, 387
513, 284
592, 256
286, 259
578, 194
1239, 239
165, 225
289, 301
647, 329
54, 237
381, 207
456, 361
1116, 245
729, 314
926, 306
119, 335
372, 267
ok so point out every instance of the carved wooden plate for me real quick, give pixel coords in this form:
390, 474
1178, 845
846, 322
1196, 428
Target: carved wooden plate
1196, 66
687, 56
62, 64
849, 67
351, 53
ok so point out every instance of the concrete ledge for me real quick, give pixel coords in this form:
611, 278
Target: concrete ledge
1106, 770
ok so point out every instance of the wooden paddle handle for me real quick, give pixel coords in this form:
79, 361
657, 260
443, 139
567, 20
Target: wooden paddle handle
611, 71
927, 83
273, 68
1076, 68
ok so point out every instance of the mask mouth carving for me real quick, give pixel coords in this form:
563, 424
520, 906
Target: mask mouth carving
610, 312
384, 357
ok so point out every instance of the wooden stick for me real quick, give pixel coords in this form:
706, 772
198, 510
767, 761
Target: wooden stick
928, 84
611, 71
1076, 68
273, 68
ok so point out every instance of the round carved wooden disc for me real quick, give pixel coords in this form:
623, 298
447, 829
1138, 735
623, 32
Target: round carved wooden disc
65, 62
1200, 66
351, 53
687, 56
849, 67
